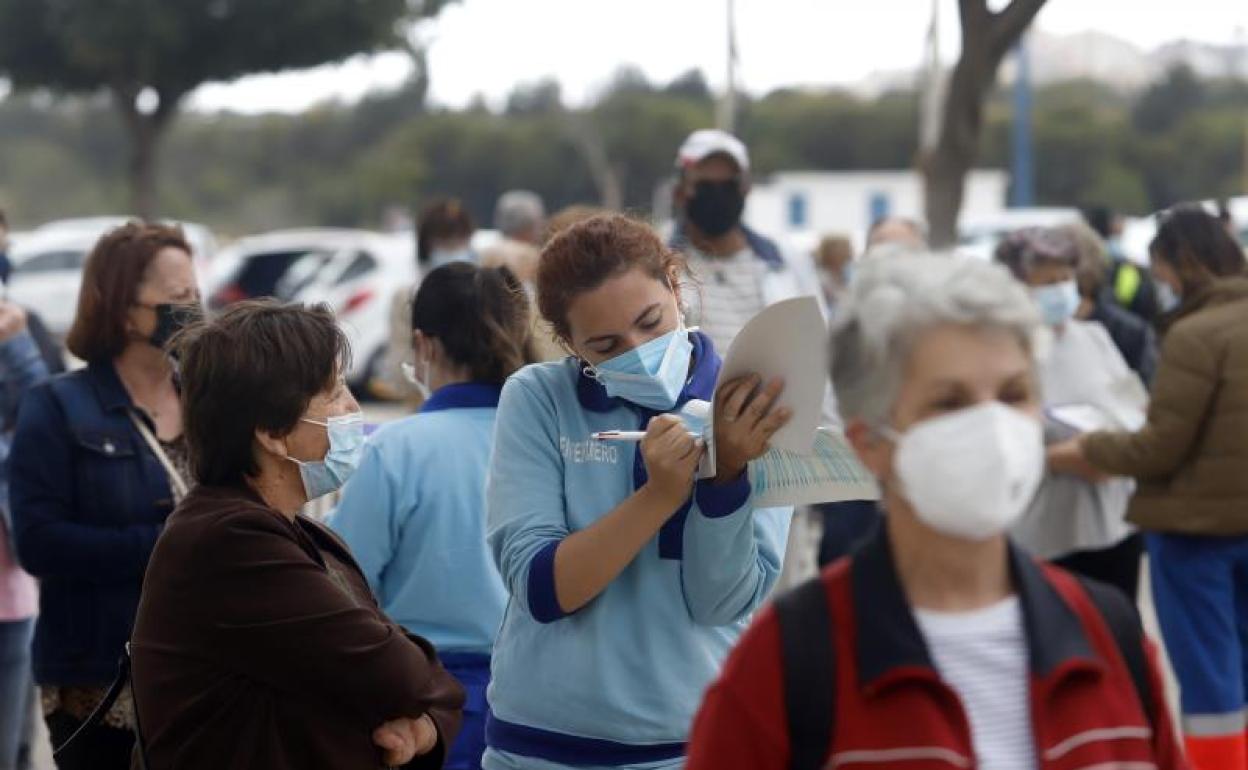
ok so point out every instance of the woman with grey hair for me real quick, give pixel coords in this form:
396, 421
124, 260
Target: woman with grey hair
1079, 522
938, 642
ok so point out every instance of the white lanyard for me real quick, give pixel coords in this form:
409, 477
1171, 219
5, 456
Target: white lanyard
176, 482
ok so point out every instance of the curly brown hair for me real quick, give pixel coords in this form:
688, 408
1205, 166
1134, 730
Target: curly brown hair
583, 256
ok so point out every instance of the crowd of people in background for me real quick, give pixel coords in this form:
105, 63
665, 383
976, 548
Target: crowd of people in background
496, 589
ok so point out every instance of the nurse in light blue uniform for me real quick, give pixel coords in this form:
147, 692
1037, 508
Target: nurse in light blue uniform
414, 512
629, 581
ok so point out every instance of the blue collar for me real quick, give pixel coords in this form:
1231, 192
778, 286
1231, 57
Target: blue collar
463, 395
108, 388
763, 247
701, 383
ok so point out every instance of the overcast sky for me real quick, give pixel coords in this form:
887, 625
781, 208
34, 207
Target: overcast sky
488, 46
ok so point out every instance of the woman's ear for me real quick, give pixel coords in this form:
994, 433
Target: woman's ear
425, 347
874, 451
271, 444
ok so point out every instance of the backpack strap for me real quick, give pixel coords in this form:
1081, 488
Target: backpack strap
1124, 623
808, 660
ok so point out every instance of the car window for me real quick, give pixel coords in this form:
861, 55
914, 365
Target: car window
52, 261
260, 274
305, 270
362, 264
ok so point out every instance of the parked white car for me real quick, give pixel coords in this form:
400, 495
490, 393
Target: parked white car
47, 264
355, 272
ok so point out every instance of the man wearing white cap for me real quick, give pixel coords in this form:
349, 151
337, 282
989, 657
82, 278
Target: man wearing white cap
740, 271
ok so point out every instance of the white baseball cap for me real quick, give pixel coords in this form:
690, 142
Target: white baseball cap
706, 142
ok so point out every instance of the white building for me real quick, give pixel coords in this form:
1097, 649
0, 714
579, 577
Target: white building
793, 204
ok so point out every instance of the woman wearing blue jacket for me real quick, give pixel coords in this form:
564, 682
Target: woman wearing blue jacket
414, 511
629, 581
98, 462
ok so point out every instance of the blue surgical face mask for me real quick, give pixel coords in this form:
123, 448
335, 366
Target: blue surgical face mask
1167, 297
650, 375
346, 444
1058, 302
419, 375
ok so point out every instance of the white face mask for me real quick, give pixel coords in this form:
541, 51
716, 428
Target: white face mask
971, 474
417, 378
1058, 303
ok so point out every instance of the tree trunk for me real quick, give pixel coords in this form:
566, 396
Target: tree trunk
986, 37
145, 132
589, 145
142, 169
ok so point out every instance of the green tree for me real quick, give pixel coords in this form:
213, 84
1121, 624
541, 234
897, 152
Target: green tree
149, 54
1166, 102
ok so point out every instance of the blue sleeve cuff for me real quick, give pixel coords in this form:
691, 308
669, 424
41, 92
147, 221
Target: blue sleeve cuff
16, 351
716, 501
543, 603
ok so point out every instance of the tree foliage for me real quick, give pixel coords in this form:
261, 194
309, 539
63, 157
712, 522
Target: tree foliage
149, 54
346, 165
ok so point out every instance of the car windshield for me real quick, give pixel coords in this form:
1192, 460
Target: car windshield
266, 274
51, 261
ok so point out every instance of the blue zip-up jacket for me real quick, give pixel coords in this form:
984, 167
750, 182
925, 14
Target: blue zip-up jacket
616, 683
413, 514
89, 499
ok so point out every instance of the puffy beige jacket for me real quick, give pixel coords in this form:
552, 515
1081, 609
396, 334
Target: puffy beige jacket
1191, 458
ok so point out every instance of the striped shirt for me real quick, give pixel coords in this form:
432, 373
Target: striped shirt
982, 656
727, 294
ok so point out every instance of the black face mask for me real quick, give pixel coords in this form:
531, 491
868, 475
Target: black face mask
716, 207
171, 319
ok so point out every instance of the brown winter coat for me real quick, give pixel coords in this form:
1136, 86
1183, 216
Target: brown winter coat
1191, 458
259, 645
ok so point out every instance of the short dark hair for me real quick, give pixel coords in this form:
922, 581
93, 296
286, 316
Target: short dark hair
110, 282
441, 220
255, 367
479, 314
1100, 218
1196, 244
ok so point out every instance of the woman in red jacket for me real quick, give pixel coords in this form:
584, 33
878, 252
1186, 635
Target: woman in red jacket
938, 643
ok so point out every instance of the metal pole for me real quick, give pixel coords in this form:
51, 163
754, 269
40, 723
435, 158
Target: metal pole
1022, 187
726, 118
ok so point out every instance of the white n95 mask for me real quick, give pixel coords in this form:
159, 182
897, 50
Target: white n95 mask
971, 474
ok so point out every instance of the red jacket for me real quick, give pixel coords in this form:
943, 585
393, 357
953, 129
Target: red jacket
893, 710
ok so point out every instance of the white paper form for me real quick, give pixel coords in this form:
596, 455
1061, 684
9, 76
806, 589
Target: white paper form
829, 474
806, 464
788, 340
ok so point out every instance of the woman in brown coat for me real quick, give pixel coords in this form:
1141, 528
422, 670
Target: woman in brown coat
258, 643
1191, 462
